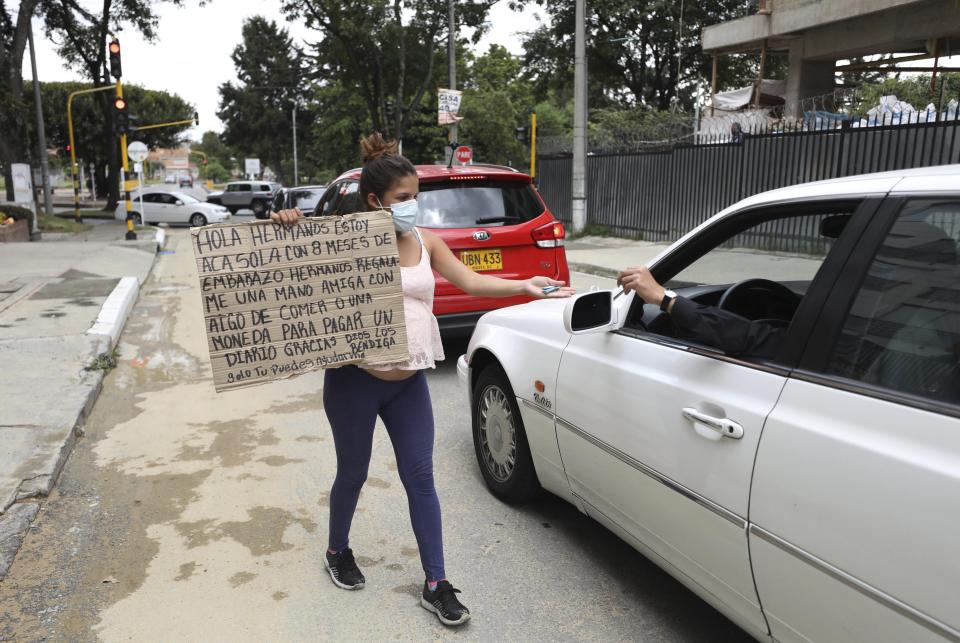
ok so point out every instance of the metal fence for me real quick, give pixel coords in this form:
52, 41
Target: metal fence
659, 195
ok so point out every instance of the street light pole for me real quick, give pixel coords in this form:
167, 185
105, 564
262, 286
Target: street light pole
579, 187
452, 54
296, 169
41, 138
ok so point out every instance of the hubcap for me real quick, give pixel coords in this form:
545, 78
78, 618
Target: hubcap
498, 436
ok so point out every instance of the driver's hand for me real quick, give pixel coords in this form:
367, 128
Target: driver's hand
641, 282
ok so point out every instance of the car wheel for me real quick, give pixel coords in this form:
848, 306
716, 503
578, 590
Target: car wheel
499, 439
259, 209
197, 220
137, 219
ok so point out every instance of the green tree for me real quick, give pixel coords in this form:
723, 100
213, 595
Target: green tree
257, 110
385, 53
632, 51
81, 36
496, 101
146, 105
13, 117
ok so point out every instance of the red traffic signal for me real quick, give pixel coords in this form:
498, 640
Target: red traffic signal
67, 148
204, 161
120, 117
114, 50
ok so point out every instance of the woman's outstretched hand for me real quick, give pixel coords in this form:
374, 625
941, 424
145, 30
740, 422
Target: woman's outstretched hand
534, 286
286, 217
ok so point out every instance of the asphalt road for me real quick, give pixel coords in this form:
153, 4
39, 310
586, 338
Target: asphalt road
184, 514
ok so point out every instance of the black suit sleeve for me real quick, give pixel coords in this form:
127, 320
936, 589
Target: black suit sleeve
733, 334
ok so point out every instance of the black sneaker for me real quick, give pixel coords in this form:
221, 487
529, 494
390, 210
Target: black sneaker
443, 602
343, 570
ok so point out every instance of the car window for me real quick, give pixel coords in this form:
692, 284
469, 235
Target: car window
231, 188
477, 202
186, 198
167, 199
785, 246
348, 200
903, 329
242, 187
306, 199
264, 188
151, 198
328, 200
785, 249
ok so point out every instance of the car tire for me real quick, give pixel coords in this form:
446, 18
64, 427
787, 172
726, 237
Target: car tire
499, 439
137, 219
197, 220
259, 209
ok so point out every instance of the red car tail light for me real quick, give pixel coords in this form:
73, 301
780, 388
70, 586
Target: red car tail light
550, 235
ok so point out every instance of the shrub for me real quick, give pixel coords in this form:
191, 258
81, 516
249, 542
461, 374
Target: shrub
15, 211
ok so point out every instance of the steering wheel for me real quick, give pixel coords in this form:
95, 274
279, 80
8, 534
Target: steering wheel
734, 296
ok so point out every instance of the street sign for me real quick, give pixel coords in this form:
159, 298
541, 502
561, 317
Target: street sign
137, 151
464, 154
448, 106
251, 167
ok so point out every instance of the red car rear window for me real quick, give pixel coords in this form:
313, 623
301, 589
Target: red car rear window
469, 204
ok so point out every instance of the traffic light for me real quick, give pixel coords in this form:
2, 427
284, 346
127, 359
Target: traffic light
67, 149
114, 49
121, 122
196, 118
520, 133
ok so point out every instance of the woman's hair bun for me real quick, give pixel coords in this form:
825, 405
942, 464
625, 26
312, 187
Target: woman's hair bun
375, 146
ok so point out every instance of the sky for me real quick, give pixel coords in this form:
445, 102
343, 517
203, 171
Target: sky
191, 55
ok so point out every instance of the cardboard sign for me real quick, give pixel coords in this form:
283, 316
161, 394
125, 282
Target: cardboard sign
279, 301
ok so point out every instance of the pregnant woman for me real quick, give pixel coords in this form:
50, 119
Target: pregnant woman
354, 397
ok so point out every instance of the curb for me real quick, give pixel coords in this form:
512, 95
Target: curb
591, 269
115, 310
16, 519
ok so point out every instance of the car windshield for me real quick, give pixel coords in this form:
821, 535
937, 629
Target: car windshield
478, 202
186, 198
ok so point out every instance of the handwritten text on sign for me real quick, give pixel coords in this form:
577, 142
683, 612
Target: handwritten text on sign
279, 301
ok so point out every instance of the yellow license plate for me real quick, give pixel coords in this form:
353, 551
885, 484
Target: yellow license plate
482, 260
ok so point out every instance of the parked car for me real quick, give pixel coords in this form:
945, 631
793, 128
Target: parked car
170, 178
173, 207
810, 497
304, 197
491, 217
250, 195
185, 181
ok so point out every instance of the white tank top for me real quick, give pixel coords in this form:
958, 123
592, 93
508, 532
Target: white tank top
423, 333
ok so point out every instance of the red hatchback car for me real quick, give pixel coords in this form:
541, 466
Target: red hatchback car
491, 217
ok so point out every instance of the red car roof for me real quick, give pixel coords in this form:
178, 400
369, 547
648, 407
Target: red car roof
432, 173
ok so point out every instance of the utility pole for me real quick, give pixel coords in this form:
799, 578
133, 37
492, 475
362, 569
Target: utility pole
579, 187
42, 140
452, 53
296, 169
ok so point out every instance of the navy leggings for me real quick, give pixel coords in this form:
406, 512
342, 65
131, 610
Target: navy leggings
353, 399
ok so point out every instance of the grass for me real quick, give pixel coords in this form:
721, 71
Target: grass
86, 214
56, 224
104, 361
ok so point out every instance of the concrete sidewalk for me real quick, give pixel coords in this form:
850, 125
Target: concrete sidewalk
63, 303
607, 256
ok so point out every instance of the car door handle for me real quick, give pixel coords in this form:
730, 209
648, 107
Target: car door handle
723, 426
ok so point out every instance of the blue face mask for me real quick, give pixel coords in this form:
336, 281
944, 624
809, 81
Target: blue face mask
405, 215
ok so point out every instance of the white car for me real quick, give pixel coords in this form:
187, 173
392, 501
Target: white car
173, 207
811, 496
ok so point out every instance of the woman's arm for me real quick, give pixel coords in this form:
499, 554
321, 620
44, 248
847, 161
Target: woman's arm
453, 270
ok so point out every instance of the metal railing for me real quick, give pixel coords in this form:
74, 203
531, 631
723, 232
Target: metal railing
662, 193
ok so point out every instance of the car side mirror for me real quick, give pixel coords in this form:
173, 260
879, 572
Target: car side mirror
590, 312
178, 202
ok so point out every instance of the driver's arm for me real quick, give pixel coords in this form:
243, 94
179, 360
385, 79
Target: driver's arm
731, 333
